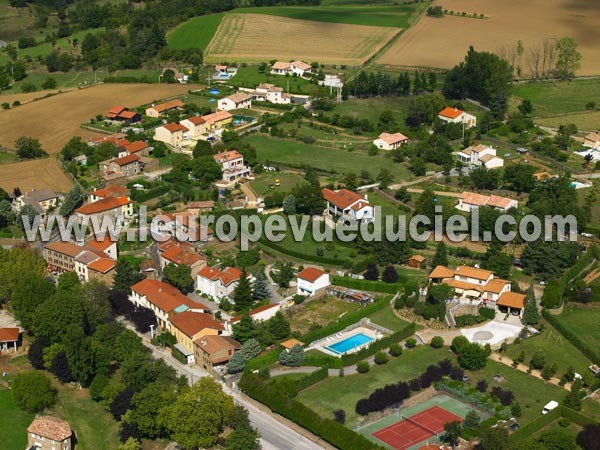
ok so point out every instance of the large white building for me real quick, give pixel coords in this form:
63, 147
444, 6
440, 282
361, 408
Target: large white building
480, 155
312, 281
218, 284
239, 100
455, 115
347, 203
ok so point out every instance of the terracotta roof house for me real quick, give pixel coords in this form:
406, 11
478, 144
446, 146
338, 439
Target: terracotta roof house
136, 147
511, 303
239, 100
198, 207
455, 115
471, 283
296, 67
49, 433
171, 134
126, 166
89, 262
218, 284
164, 299
471, 200
213, 350
157, 110
312, 281
189, 326
120, 208
110, 190
344, 202
8, 337
387, 141
216, 121
181, 253
232, 165
196, 126
480, 155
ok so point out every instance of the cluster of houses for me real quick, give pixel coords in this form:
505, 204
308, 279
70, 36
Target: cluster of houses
479, 286
193, 128
480, 155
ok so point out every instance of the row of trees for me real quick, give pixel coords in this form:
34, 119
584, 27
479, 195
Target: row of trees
382, 84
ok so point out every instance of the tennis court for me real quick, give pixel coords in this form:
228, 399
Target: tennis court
414, 429
420, 424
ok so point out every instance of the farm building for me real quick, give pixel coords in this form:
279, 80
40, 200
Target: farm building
158, 110
387, 141
455, 115
171, 134
347, 203
123, 114
239, 100
471, 200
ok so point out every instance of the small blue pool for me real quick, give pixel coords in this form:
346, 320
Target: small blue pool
350, 343
213, 91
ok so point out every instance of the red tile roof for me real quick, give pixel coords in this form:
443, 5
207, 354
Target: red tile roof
66, 248
174, 127
451, 113
392, 138
512, 300
217, 117
341, 198
101, 243
116, 109
311, 274
227, 275
129, 159
191, 323
182, 255
211, 344
136, 146
441, 272
105, 204
256, 311
128, 114
51, 428
102, 265
9, 334
169, 105
227, 156
473, 272
196, 120
110, 189
163, 295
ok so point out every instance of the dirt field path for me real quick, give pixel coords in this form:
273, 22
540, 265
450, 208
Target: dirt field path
523, 368
55, 119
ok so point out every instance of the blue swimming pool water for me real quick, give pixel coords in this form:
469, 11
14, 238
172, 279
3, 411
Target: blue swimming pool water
350, 343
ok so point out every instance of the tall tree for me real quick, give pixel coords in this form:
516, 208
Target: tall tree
242, 294
261, 288
198, 415
372, 272
441, 255
125, 276
179, 276
33, 391
73, 200
569, 58
245, 329
531, 315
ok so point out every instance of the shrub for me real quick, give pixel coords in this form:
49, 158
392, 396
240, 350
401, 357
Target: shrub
564, 422
539, 360
33, 391
395, 349
411, 343
381, 358
362, 367
437, 342
487, 313
339, 415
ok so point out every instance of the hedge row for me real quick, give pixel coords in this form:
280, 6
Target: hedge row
304, 256
545, 420
378, 345
327, 429
572, 337
367, 285
309, 380
527, 431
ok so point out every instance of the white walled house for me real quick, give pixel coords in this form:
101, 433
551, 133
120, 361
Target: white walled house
312, 281
218, 284
171, 134
471, 200
296, 67
261, 313
196, 126
232, 164
347, 203
387, 141
455, 115
239, 100
480, 155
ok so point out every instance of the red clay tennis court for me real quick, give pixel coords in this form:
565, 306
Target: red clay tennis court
414, 429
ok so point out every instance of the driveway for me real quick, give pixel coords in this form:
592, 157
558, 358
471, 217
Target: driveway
495, 332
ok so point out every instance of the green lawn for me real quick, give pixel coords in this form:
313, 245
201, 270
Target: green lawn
14, 423
531, 393
261, 185
559, 97
196, 32
584, 322
343, 392
400, 16
320, 312
95, 427
556, 348
386, 318
371, 108
296, 153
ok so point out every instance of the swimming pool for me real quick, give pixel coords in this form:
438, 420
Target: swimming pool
350, 343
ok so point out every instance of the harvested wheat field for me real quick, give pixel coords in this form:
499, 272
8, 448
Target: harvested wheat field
444, 42
54, 120
35, 174
259, 37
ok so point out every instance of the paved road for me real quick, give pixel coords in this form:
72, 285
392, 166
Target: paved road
274, 435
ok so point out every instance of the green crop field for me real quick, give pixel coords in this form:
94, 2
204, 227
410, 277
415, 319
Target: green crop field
196, 32
399, 16
559, 97
343, 392
296, 153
